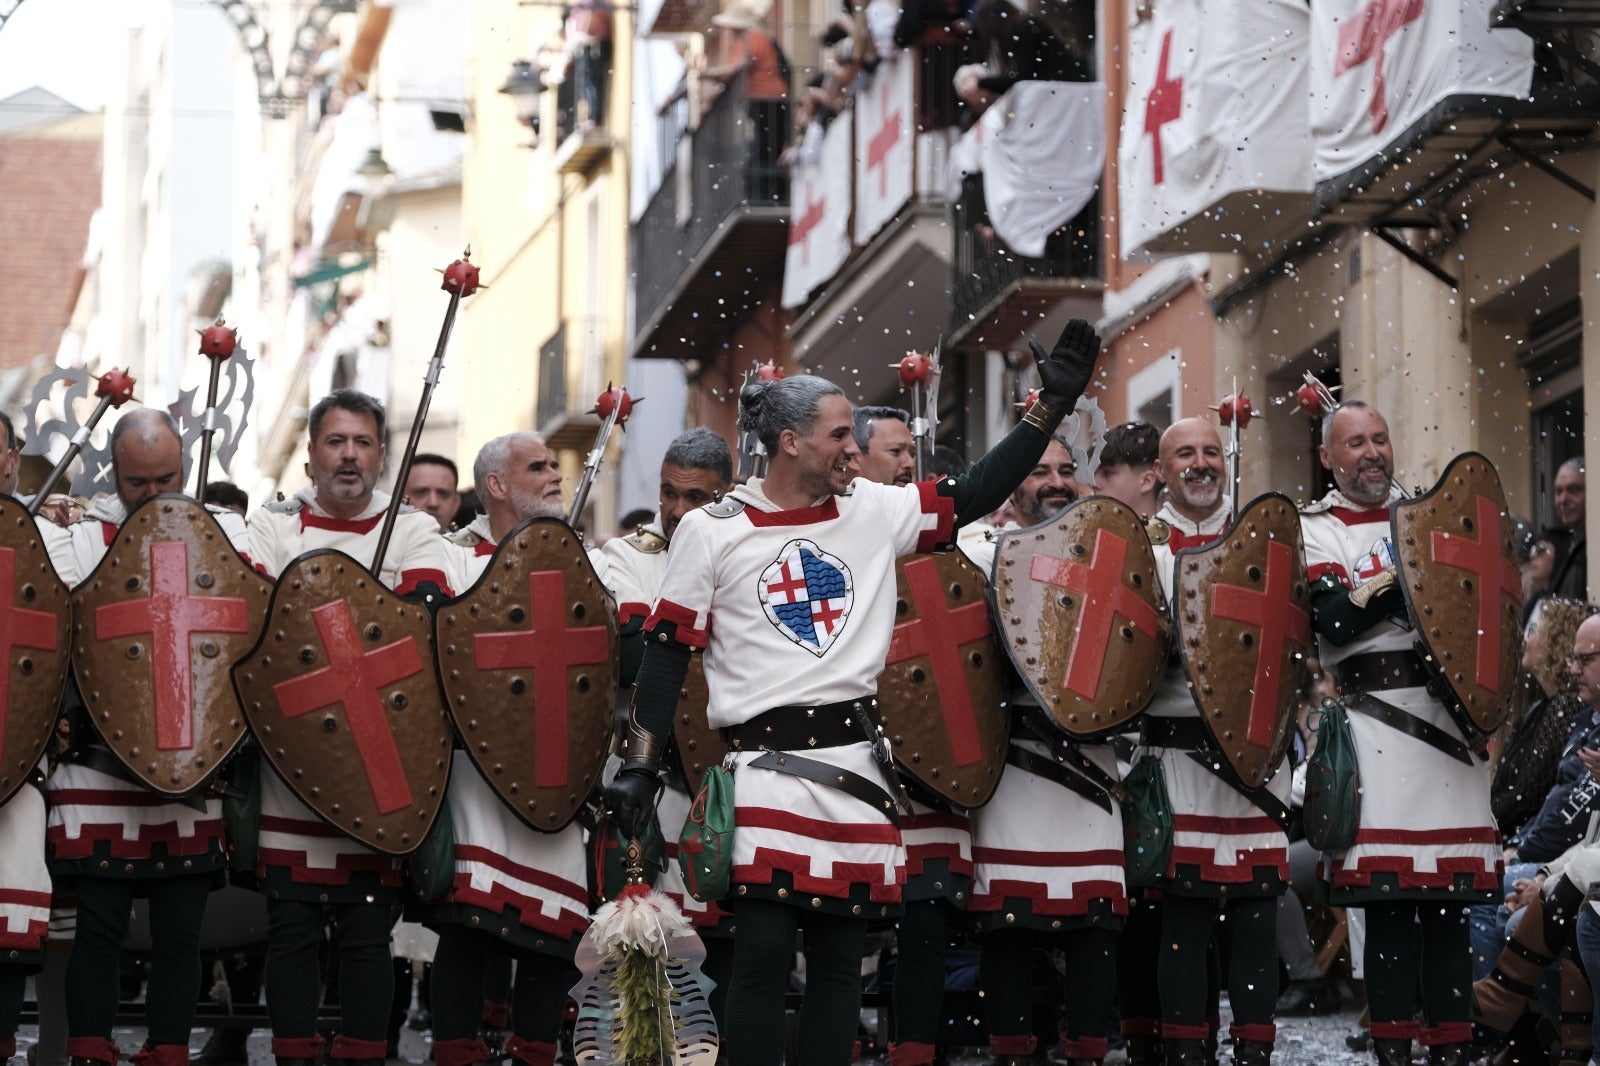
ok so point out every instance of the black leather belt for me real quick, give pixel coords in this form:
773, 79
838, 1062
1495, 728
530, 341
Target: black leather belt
1261, 797
1377, 671
1192, 736
826, 725
1409, 724
97, 758
1068, 777
846, 781
1185, 734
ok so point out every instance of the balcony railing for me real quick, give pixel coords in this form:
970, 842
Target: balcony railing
985, 273
728, 170
571, 366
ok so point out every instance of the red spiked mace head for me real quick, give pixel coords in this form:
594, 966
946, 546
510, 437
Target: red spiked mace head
914, 369
217, 341
1029, 400
769, 371
1309, 399
615, 399
1235, 408
115, 385
461, 276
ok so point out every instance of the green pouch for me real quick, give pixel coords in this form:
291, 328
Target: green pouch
705, 847
1146, 823
608, 852
241, 809
431, 869
1333, 782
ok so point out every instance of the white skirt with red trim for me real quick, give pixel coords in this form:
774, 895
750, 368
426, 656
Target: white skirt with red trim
938, 846
94, 815
812, 844
1220, 840
1426, 826
24, 875
300, 850
673, 811
1046, 851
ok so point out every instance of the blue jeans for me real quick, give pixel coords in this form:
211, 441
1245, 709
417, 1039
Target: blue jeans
1588, 938
1486, 923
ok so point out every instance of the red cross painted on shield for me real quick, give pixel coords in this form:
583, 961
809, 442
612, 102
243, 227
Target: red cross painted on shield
352, 679
1163, 105
547, 647
1273, 612
171, 617
800, 227
20, 627
883, 142
793, 588
938, 632
827, 612
1103, 585
1495, 573
1367, 37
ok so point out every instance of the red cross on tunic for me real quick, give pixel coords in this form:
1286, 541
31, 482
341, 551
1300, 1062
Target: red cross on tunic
1102, 581
826, 612
353, 679
801, 225
1273, 612
1163, 105
788, 585
1496, 576
1367, 37
938, 632
171, 617
547, 647
20, 627
883, 142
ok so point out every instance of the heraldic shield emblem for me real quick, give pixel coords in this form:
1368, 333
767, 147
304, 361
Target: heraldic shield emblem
700, 747
944, 692
1463, 589
344, 701
35, 626
1243, 610
1082, 615
529, 659
156, 628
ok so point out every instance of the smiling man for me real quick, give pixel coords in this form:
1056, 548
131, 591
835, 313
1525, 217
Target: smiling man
888, 454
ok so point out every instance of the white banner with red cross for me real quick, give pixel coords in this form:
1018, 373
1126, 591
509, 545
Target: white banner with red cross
1216, 106
1043, 153
819, 215
886, 126
1379, 66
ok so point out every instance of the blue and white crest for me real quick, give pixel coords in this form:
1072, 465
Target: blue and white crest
807, 594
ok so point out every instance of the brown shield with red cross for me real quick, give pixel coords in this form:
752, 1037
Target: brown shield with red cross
943, 692
700, 747
156, 627
529, 661
35, 627
1243, 611
1082, 615
343, 698
1455, 563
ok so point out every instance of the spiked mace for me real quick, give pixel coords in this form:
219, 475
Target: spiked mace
614, 407
217, 343
115, 388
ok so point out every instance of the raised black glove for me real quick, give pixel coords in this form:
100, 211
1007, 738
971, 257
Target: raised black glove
1065, 373
630, 798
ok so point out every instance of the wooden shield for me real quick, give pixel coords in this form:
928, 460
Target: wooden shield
1243, 613
1454, 561
529, 660
35, 627
167, 611
700, 747
344, 701
943, 694
1082, 615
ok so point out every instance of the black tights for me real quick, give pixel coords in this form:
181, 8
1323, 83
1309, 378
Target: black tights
1187, 925
1005, 977
719, 968
1396, 968
177, 904
13, 983
538, 993
293, 974
919, 972
763, 957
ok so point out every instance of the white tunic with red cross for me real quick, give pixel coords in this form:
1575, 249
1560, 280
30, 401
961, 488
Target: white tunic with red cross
1425, 827
526, 887
1221, 842
1044, 857
304, 855
24, 875
103, 824
796, 608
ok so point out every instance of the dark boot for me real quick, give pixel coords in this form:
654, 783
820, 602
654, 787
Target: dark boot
1144, 1049
1252, 1053
1577, 1014
1449, 1055
93, 1051
297, 1050
225, 1047
1184, 1051
530, 1052
1392, 1051
1088, 1051
1500, 999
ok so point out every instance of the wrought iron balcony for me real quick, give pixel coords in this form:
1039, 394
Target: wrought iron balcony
571, 364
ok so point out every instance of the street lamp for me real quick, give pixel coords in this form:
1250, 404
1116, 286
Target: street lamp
524, 86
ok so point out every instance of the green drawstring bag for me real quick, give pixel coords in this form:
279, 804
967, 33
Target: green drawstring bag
608, 851
431, 869
1333, 782
1146, 823
705, 847
241, 809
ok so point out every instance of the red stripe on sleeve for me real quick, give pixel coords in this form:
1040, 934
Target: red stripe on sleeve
683, 618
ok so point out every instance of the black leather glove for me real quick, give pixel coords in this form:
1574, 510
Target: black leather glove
630, 798
1065, 373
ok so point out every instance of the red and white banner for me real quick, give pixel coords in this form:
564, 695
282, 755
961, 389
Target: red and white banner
1216, 106
819, 215
1043, 152
1379, 66
886, 126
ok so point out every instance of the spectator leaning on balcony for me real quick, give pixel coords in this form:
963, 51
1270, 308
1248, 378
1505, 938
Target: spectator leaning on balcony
745, 47
1022, 48
587, 29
